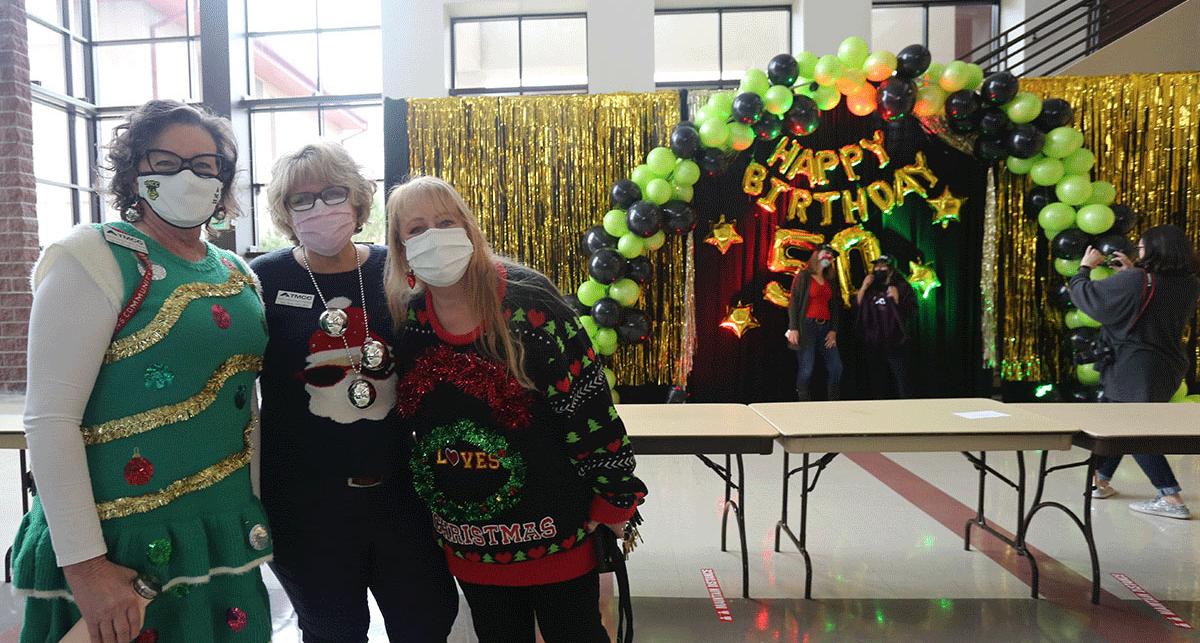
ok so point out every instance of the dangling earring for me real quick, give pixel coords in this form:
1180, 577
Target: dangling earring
218, 216
412, 280
131, 214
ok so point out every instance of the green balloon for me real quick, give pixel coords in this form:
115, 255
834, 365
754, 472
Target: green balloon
686, 172
1181, 393
1079, 162
656, 241
755, 81
1103, 193
778, 99
1047, 171
879, 66
1071, 318
1023, 108
1095, 218
955, 76
826, 97
1087, 374
589, 325
975, 79
614, 223
934, 72
1088, 321
713, 133
1066, 267
610, 377
829, 70
591, 291
630, 246
659, 191
625, 291
1074, 189
661, 161
642, 175
722, 104
1061, 142
853, 51
606, 341
741, 136
1056, 217
684, 193
704, 113
1100, 273
807, 62
1019, 165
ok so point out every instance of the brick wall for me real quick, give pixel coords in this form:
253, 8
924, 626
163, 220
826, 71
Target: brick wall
18, 215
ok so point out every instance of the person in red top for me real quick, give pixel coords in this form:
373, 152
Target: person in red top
814, 315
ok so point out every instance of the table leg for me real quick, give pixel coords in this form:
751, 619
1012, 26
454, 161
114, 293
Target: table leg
806, 487
725, 508
738, 507
1085, 524
741, 520
1020, 485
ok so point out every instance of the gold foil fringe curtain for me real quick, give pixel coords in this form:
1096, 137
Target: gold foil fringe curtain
1144, 131
537, 171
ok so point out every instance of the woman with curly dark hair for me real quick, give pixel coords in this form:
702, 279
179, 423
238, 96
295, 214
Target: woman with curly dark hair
139, 419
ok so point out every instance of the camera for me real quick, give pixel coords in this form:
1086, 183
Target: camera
1098, 353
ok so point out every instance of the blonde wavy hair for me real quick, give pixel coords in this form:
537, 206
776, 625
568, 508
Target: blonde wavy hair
322, 162
433, 197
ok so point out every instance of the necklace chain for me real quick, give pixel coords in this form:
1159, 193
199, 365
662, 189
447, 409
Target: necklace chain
362, 297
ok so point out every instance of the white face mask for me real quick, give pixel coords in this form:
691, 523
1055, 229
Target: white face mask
183, 199
439, 256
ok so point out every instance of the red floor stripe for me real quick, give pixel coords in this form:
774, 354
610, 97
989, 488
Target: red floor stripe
1113, 619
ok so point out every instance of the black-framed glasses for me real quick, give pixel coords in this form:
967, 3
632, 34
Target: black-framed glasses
301, 201
167, 162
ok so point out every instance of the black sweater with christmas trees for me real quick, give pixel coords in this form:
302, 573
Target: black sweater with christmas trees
512, 475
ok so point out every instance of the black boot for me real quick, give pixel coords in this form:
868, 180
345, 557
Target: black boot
802, 394
835, 392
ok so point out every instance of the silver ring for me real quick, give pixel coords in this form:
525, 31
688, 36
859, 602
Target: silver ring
145, 588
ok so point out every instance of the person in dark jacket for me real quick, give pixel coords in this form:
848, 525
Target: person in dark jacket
1144, 308
886, 304
814, 315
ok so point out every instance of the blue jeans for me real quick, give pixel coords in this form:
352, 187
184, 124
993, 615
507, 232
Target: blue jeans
812, 339
1154, 465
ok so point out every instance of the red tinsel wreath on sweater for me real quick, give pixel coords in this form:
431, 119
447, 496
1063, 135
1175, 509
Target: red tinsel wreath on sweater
481, 378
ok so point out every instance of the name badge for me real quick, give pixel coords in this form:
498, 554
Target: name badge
124, 239
294, 299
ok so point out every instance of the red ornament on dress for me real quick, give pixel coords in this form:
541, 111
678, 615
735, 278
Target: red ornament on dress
138, 471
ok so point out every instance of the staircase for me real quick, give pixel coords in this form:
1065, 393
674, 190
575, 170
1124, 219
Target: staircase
1064, 33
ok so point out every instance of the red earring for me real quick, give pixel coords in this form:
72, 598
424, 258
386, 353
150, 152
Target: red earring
412, 280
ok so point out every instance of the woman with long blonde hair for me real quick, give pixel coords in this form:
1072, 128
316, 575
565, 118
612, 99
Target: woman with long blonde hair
519, 451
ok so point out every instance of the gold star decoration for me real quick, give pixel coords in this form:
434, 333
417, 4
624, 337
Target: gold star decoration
923, 279
739, 319
946, 207
723, 235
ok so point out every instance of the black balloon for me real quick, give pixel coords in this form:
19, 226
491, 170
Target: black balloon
896, 98
576, 305
1056, 112
962, 104
783, 70
607, 313
595, 238
625, 193
643, 219
1070, 244
990, 149
1038, 198
804, 116
680, 217
1125, 220
713, 161
769, 128
1062, 296
993, 122
962, 125
606, 265
1025, 141
1111, 244
634, 328
1081, 339
999, 88
685, 141
748, 107
912, 61
639, 270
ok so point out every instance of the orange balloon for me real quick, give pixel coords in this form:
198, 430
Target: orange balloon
862, 102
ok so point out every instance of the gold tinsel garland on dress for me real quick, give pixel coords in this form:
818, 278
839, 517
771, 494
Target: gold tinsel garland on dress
1144, 131
537, 171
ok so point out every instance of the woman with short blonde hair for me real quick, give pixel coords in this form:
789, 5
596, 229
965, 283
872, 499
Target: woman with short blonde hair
333, 457
520, 453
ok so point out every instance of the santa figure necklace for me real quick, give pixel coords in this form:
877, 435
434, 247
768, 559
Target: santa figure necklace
372, 356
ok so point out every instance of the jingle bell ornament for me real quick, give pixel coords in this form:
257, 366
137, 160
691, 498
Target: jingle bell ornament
361, 393
333, 322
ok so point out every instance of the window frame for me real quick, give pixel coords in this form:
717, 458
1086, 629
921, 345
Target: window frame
925, 5
723, 83
191, 38
520, 89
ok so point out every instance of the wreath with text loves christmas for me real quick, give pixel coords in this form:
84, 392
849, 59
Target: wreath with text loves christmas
443, 446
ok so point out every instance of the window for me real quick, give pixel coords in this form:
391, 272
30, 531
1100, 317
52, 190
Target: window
315, 72
146, 49
713, 48
518, 54
949, 29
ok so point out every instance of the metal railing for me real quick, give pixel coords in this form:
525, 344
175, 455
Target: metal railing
1063, 33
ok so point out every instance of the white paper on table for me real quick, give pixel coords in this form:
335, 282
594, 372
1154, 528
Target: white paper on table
981, 415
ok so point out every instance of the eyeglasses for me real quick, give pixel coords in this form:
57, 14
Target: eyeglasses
206, 165
301, 201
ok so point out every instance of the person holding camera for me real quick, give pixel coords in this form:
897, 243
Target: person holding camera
1143, 308
886, 303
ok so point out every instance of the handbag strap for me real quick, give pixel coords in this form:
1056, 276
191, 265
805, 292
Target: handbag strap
624, 604
1147, 296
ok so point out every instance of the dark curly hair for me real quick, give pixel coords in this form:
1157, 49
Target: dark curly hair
137, 134
1168, 250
